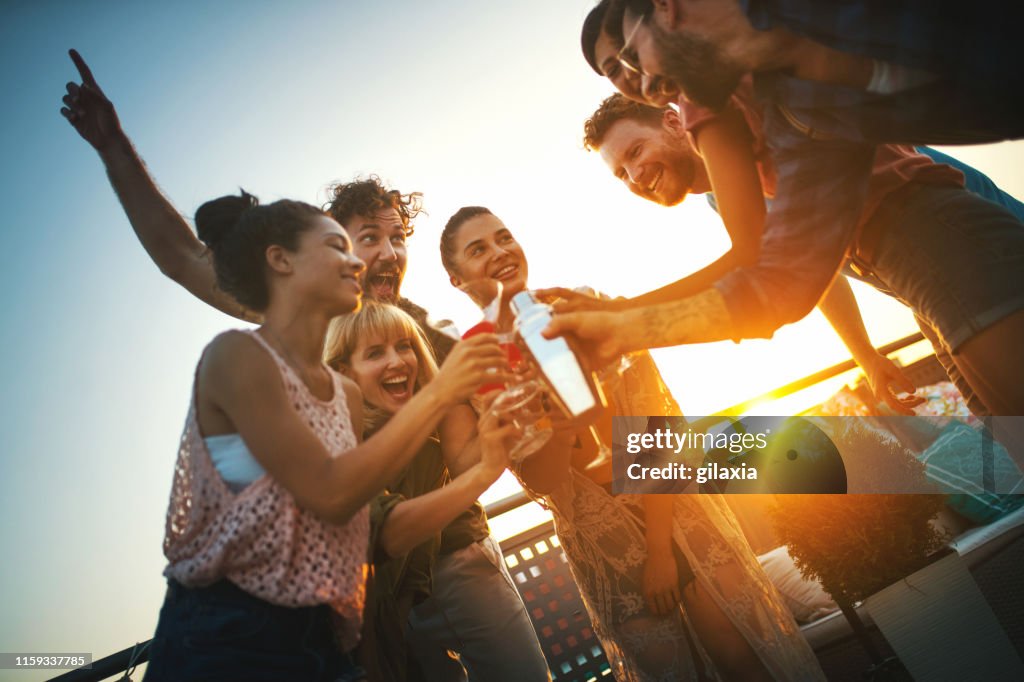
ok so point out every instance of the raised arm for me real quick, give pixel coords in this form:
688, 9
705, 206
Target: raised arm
164, 234
240, 380
416, 520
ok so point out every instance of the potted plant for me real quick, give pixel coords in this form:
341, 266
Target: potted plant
883, 550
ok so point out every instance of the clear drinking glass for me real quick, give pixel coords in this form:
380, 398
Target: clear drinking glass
522, 400
523, 405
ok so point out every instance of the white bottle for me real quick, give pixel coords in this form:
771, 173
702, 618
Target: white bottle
571, 385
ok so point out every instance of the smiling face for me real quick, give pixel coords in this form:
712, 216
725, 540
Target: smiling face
644, 51
483, 248
385, 366
652, 162
379, 240
325, 268
678, 63
627, 82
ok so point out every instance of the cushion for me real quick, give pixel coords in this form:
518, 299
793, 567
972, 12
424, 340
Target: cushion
805, 598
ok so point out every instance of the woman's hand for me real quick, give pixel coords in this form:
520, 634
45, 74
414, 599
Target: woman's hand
887, 380
495, 439
472, 363
89, 111
661, 582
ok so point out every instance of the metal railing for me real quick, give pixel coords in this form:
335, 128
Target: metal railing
128, 658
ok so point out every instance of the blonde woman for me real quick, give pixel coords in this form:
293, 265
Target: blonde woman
383, 350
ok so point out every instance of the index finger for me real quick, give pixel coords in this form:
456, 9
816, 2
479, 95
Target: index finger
896, 404
553, 292
83, 69
559, 326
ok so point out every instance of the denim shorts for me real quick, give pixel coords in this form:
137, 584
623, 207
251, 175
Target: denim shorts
953, 257
223, 633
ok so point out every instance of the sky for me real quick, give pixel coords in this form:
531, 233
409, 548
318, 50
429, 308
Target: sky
470, 103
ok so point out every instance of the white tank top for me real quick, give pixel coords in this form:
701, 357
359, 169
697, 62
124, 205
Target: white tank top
233, 461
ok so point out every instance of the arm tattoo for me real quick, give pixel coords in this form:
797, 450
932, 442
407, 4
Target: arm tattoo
699, 319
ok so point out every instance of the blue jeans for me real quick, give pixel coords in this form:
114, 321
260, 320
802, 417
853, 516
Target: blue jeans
223, 633
956, 260
475, 611
980, 184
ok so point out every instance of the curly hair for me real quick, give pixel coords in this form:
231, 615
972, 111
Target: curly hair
367, 197
613, 109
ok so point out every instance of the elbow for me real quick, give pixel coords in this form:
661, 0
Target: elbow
336, 510
762, 320
393, 544
173, 263
789, 301
178, 261
332, 492
776, 317
798, 311
744, 257
337, 516
172, 270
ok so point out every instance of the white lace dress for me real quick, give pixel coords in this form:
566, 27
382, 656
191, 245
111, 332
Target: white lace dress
603, 539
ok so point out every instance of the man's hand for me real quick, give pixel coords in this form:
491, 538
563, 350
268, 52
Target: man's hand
89, 111
600, 335
887, 380
661, 583
571, 301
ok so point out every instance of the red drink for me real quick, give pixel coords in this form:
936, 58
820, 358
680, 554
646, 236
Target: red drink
486, 327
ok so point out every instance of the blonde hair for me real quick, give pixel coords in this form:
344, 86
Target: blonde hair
385, 321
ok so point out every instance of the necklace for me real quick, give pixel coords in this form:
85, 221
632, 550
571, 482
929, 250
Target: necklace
296, 367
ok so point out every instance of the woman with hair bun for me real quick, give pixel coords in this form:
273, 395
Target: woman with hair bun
268, 524
267, 528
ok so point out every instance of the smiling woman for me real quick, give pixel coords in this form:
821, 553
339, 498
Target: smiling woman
384, 351
476, 245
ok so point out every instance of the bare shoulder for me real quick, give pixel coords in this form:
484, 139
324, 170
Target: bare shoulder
232, 346
234, 357
353, 394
